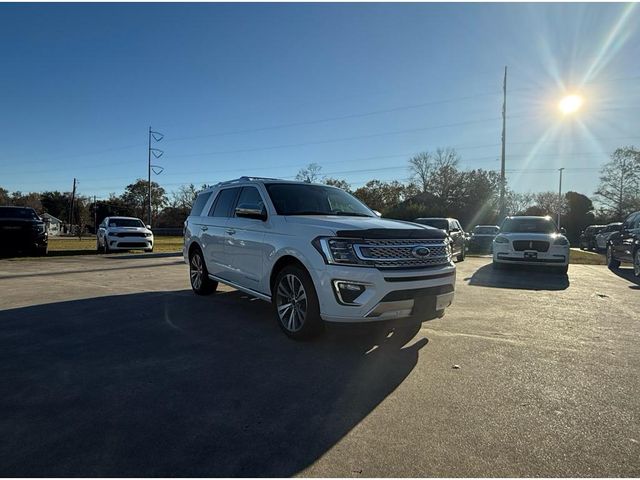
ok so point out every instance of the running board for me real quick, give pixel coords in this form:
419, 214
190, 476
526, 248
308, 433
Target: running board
259, 295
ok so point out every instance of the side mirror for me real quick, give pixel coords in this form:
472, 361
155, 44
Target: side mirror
378, 214
148, 226
563, 230
247, 210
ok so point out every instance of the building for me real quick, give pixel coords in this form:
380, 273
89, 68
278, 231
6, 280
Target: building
54, 225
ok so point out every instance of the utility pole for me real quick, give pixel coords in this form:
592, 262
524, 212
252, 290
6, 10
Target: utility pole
73, 200
149, 184
95, 215
560, 196
503, 181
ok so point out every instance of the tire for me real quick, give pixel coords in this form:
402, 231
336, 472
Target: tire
636, 263
463, 253
40, 251
611, 261
201, 284
149, 250
106, 247
295, 304
99, 248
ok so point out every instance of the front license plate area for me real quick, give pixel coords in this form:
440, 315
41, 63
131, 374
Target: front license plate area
530, 255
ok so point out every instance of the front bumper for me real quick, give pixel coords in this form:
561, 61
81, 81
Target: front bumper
389, 294
557, 255
130, 243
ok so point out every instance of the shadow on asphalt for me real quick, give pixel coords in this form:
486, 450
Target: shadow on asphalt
172, 384
627, 274
519, 277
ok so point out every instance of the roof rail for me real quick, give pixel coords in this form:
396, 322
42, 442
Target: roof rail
244, 179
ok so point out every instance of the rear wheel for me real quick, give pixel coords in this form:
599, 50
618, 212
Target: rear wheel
201, 284
611, 261
636, 263
296, 304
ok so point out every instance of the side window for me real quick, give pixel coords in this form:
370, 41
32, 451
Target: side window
224, 202
250, 197
200, 202
628, 223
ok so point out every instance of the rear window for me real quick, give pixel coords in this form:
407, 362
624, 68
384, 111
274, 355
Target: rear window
199, 204
23, 213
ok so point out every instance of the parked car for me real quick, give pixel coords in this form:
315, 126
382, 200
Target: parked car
316, 253
124, 233
453, 229
624, 245
482, 237
531, 240
588, 237
602, 238
22, 231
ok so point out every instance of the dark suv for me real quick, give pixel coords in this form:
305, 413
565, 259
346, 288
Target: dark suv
22, 230
588, 237
624, 246
453, 229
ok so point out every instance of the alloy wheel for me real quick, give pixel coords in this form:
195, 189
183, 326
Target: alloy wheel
196, 271
291, 302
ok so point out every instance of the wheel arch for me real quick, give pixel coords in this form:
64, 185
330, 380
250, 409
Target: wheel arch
285, 260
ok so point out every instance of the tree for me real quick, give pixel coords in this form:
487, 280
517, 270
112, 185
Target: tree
136, 197
550, 204
518, 203
578, 216
310, 174
619, 190
27, 200
56, 204
337, 182
381, 196
420, 168
4, 197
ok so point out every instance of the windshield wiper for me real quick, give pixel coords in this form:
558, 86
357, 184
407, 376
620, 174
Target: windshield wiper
352, 214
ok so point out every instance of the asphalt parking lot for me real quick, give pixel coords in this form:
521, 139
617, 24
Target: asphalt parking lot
112, 367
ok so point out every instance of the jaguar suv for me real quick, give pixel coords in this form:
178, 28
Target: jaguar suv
531, 241
317, 254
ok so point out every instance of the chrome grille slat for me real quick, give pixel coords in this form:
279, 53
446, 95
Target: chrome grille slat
394, 253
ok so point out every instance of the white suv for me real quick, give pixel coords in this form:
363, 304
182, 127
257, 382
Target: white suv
316, 253
123, 233
531, 241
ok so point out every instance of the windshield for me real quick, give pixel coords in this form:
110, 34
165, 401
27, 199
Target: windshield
125, 222
528, 225
23, 213
486, 230
440, 223
297, 199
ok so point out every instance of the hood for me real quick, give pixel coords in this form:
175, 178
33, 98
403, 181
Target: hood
128, 229
548, 237
20, 221
367, 227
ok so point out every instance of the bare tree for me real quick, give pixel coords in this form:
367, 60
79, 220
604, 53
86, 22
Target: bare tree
310, 174
619, 190
518, 203
420, 168
337, 182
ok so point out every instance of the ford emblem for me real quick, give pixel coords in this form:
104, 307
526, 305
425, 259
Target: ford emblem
420, 252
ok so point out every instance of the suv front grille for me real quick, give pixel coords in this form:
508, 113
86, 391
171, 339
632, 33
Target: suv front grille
537, 245
401, 253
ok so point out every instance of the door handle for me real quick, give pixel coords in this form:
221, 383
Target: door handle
231, 231
204, 227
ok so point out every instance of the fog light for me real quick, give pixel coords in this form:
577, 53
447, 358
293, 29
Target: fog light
348, 292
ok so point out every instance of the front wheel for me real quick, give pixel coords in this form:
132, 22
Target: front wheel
201, 284
636, 263
611, 261
296, 304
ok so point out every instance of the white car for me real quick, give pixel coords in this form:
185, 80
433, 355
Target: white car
531, 241
602, 238
123, 233
317, 254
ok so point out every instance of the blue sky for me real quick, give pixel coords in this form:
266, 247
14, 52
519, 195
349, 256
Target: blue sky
357, 88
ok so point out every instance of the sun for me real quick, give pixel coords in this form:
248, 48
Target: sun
570, 104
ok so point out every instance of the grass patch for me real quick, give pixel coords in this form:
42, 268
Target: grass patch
59, 246
578, 257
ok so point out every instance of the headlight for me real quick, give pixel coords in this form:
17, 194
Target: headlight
338, 251
561, 241
500, 239
148, 234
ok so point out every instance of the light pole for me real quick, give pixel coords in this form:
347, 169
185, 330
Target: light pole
560, 196
157, 153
